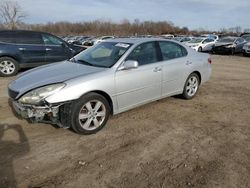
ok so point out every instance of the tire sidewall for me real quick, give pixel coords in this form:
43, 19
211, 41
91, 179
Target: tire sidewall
76, 107
185, 94
15, 64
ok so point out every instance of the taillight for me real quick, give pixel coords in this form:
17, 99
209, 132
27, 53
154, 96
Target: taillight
209, 60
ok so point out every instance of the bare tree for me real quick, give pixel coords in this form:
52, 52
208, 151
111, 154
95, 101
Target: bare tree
11, 14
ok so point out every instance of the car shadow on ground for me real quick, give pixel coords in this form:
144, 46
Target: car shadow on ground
9, 151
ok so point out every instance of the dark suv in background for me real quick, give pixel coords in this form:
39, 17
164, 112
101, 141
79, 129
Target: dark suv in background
23, 49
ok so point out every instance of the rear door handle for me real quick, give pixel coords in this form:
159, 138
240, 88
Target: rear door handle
157, 69
48, 49
21, 49
188, 63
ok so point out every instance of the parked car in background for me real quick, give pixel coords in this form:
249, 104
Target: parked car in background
201, 44
22, 49
245, 35
167, 36
101, 39
109, 78
210, 36
246, 47
89, 41
229, 45
183, 39
78, 40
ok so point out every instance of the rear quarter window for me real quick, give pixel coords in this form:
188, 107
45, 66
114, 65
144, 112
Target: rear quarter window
28, 38
7, 37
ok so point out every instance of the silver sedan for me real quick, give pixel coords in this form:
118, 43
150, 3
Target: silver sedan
107, 79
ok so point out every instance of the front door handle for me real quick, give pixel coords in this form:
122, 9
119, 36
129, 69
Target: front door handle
21, 49
48, 49
188, 63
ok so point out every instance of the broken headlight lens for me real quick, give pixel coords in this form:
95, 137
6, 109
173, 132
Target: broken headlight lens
37, 95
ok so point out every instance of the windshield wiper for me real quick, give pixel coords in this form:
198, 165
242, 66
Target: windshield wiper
72, 60
90, 64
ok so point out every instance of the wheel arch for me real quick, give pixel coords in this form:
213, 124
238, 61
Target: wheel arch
105, 95
199, 75
10, 56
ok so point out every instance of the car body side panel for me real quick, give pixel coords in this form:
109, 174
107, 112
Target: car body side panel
56, 53
175, 72
10, 50
208, 46
31, 53
138, 85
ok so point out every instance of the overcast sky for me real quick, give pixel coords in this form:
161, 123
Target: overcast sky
208, 14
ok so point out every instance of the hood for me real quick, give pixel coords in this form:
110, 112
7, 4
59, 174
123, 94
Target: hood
50, 74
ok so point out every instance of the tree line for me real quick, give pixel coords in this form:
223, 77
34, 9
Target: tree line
12, 17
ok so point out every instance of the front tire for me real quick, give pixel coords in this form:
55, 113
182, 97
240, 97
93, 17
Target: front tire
89, 114
191, 86
200, 49
246, 54
233, 51
8, 66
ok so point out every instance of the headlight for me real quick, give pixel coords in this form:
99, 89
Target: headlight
35, 96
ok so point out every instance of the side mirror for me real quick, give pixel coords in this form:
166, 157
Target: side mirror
130, 64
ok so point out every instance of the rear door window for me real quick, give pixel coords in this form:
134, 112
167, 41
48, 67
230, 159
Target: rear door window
171, 50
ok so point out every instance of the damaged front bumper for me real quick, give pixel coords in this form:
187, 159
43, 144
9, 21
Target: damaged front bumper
43, 113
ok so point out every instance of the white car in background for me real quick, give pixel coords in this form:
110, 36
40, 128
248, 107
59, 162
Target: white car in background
201, 44
101, 39
211, 36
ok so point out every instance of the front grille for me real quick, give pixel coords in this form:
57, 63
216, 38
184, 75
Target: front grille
12, 94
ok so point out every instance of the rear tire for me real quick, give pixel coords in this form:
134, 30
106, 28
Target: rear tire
191, 86
89, 114
8, 66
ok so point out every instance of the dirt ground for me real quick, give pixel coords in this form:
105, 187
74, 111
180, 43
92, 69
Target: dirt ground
204, 142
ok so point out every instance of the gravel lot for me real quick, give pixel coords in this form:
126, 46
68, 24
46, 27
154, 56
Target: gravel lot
204, 142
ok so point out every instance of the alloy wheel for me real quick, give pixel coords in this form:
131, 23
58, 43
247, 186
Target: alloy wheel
92, 115
7, 67
192, 86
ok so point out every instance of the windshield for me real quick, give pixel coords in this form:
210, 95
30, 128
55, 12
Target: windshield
248, 39
197, 40
227, 39
245, 36
105, 54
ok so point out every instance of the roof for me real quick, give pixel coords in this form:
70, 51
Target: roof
134, 40
26, 31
